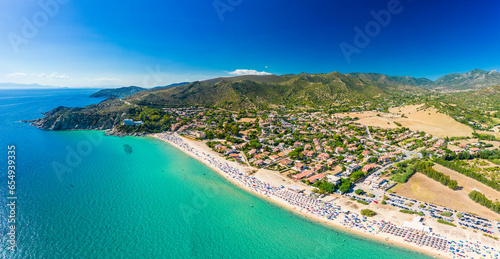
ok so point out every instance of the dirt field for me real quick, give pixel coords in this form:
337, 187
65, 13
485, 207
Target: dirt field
246, 120
423, 188
416, 118
337, 169
468, 183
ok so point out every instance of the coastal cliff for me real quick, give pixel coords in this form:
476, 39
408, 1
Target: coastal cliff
106, 115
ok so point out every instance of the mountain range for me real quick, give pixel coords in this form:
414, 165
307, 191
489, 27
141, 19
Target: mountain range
265, 92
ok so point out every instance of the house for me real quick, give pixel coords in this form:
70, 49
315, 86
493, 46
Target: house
368, 168
384, 159
315, 178
220, 148
273, 157
323, 156
474, 150
306, 173
197, 134
296, 189
234, 155
129, 122
333, 179
353, 167
299, 166
286, 162
260, 156
258, 162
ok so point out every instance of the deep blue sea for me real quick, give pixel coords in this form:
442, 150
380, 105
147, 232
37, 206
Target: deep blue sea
80, 194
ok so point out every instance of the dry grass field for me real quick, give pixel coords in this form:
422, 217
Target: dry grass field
469, 184
423, 188
246, 120
416, 118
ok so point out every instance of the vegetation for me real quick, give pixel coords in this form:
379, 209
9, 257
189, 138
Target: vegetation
362, 202
118, 92
425, 167
477, 176
442, 221
325, 186
411, 212
404, 171
359, 192
368, 212
483, 136
490, 236
345, 185
446, 214
481, 199
357, 175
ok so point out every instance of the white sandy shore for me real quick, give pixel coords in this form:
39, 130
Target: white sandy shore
386, 213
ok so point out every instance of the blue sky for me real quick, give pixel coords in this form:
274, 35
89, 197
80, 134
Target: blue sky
150, 43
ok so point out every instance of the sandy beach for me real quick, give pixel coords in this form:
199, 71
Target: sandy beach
265, 184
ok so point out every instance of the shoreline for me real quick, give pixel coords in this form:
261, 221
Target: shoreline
379, 237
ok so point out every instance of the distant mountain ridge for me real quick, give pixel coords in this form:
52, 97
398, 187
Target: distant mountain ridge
392, 80
117, 92
172, 85
474, 79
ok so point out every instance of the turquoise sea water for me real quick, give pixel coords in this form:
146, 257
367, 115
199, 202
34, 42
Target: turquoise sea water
81, 195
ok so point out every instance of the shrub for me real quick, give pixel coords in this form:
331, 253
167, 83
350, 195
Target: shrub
368, 213
359, 192
446, 214
362, 202
442, 221
412, 212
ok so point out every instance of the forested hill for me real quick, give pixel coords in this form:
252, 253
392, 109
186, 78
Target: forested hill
118, 92
233, 93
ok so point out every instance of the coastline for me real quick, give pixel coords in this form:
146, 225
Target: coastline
378, 237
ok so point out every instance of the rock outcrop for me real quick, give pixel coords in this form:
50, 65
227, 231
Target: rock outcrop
103, 116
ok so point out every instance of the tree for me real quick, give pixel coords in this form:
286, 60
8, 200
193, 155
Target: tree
345, 185
359, 192
235, 130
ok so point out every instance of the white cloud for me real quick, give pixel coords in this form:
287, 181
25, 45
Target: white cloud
244, 72
108, 79
54, 76
18, 74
